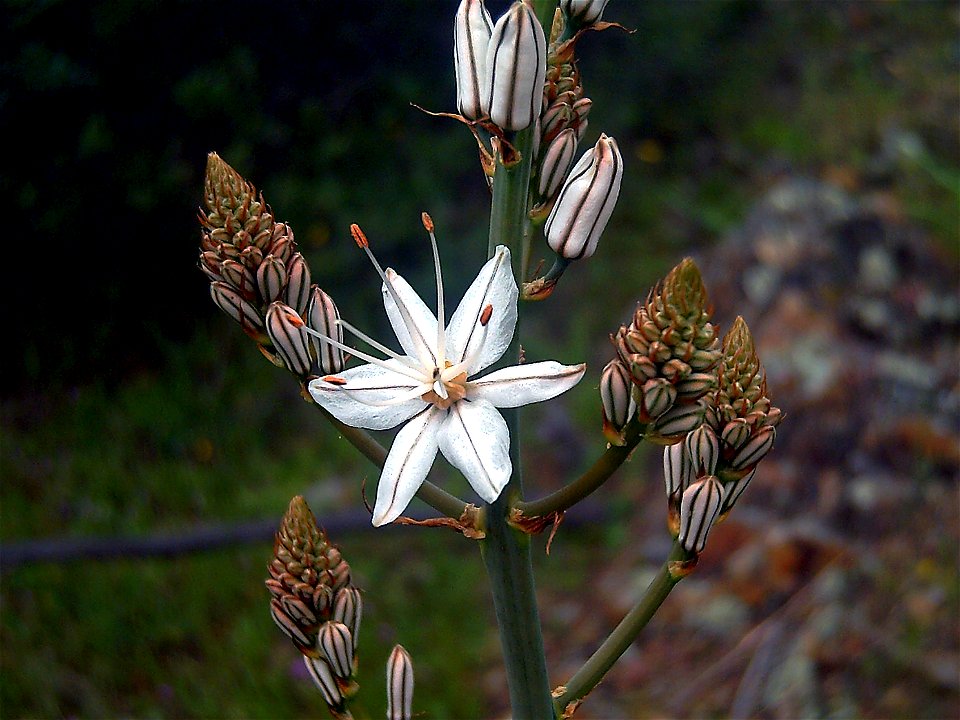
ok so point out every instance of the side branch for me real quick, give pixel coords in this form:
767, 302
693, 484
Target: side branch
568, 697
569, 495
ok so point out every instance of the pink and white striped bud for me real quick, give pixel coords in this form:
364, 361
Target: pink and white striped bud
348, 609
471, 38
699, 508
678, 471
556, 162
285, 329
704, 450
298, 284
336, 643
586, 12
586, 201
515, 69
325, 681
616, 396
323, 316
230, 301
733, 490
271, 277
399, 685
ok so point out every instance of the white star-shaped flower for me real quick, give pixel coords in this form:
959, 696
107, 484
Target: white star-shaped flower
432, 387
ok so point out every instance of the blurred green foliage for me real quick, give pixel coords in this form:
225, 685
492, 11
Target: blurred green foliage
131, 406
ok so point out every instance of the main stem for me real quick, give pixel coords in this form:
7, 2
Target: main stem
506, 551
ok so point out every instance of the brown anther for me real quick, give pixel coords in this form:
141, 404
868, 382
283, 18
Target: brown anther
485, 315
334, 380
358, 237
427, 221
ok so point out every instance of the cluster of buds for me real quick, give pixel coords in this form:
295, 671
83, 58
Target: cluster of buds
258, 278
707, 473
315, 604
668, 354
499, 68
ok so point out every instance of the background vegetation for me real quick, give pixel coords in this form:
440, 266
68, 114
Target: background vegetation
131, 407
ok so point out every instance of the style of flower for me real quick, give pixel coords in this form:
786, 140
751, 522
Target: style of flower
431, 387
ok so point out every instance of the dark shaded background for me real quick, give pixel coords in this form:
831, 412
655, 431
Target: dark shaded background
131, 407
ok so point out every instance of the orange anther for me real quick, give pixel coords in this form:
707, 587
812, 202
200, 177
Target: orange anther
485, 315
427, 221
334, 380
358, 237
294, 320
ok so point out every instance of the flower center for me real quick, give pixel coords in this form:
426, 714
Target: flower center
454, 388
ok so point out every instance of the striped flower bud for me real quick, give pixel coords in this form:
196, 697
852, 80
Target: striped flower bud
230, 301
271, 278
290, 342
754, 449
399, 685
515, 69
704, 450
586, 201
699, 507
348, 609
556, 162
297, 293
471, 38
616, 397
323, 316
733, 490
585, 12
336, 643
675, 423
325, 681
678, 471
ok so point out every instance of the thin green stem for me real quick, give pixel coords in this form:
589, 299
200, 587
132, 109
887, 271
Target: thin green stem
593, 670
435, 497
601, 470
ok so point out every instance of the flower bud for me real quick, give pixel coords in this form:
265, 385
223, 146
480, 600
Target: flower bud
704, 450
733, 490
617, 399
515, 69
675, 423
399, 685
325, 681
556, 162
348, 609
298, 284
230, 301
678, 471
586, 201
754, 450
285, 329
699, 507
471, 38
271, 277
322, 316
336, 643
586, 12
658, 397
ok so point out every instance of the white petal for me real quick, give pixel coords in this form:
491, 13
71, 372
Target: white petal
422, 344
524, 384
475, 439
360, 402
411, 455
466, 337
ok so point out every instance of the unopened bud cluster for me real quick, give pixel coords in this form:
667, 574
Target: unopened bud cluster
258, 278
707, 473
315, 604
669, 352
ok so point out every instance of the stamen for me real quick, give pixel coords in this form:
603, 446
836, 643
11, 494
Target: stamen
485, 315
412, 329
374, 344
441, 317
407, 371
334, 380
416, 392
